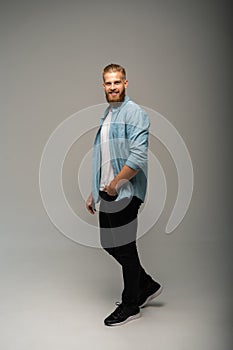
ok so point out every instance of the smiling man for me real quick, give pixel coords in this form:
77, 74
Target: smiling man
114, 85
119, 182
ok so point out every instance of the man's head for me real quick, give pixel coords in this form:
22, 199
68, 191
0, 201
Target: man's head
115, 83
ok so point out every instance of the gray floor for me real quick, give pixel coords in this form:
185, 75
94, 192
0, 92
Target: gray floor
56, 293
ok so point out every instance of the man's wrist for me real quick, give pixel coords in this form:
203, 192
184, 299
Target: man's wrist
116, 183
113, 184
122, 177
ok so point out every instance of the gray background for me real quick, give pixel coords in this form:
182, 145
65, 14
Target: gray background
55, 293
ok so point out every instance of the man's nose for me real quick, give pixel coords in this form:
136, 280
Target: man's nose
112, 86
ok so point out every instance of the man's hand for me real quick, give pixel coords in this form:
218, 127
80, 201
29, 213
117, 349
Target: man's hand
89, 204
123, 176
111, 188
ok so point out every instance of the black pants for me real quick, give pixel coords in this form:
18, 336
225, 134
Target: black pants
118, 231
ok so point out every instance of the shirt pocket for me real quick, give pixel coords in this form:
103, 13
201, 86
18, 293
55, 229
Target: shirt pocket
119, 130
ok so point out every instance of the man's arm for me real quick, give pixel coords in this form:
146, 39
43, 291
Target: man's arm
126, 173
137, 129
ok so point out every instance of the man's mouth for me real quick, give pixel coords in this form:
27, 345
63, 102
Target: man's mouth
113, 93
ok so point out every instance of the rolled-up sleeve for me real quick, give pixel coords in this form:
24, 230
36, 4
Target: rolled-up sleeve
137, 126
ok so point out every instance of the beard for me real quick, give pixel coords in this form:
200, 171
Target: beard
119, 98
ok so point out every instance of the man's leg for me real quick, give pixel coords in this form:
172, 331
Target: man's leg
124, 229
108, 244
118, 230
112, 233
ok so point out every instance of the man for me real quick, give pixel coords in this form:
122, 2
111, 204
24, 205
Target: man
119, 181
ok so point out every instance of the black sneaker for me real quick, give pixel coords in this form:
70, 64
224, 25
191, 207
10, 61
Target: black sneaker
122, 314
149, 293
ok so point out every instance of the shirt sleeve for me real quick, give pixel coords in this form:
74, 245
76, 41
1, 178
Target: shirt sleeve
137, 127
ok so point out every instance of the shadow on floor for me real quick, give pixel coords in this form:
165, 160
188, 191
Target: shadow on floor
154, 304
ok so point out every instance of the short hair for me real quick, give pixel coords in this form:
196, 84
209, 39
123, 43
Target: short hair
113, 67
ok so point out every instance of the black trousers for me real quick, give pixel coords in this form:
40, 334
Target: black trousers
118, 231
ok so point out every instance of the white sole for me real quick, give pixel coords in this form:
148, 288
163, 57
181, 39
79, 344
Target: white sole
159, 291
133, 317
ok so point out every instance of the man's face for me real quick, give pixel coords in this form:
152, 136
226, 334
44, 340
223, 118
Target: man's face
114, 87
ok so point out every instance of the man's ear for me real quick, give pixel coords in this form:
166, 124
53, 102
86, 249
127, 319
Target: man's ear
126, 83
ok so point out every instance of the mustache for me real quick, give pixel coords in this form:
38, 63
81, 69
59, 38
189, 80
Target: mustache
119, 98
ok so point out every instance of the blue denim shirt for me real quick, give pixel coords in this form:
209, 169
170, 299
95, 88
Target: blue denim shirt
128, 144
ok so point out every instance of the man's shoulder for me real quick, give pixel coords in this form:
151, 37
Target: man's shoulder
135, 112
132, 105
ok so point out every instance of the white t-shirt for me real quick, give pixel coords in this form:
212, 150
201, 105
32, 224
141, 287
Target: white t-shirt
107, 174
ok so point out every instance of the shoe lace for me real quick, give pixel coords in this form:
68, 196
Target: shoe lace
120, 308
